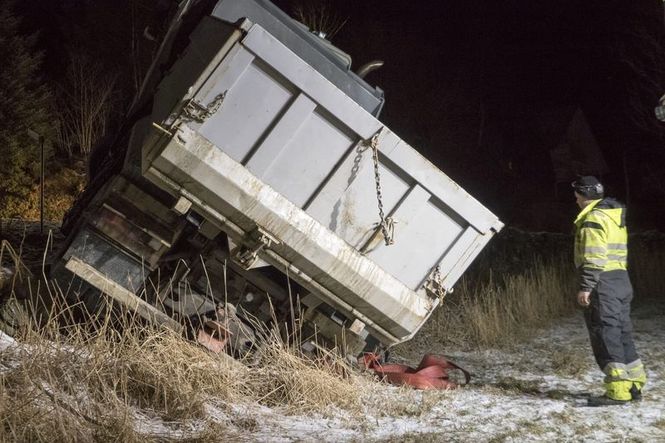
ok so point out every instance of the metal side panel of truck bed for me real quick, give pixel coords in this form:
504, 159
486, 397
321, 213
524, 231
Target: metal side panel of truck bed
264, 146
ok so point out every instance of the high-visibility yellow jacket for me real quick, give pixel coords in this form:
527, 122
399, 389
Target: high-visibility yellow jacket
601, 241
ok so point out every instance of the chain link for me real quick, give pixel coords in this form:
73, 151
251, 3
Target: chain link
387, 224
435, 283
195, 111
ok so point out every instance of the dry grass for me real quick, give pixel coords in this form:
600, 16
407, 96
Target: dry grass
519, 385
492, 310
419, 437
498, 311
647, 265
521, 303
83, 386
103, 379
568, 363
88, 383
284, 377
60, 190
407, 402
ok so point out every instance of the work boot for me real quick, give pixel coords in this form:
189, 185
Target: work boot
604, 400
635, 393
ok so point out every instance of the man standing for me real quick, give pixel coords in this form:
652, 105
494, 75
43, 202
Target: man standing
601, 254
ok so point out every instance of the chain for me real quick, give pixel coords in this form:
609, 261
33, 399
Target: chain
387, 224
195, 111
435, 284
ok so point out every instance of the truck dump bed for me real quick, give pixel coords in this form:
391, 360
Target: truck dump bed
261, 148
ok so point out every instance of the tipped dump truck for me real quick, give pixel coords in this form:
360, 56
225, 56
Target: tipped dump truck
254, 181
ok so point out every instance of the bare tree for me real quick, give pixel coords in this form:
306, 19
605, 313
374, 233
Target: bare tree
85, 105
319, 17
639, 51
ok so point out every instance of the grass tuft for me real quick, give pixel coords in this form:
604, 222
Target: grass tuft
498, 311
285, 376
103, 378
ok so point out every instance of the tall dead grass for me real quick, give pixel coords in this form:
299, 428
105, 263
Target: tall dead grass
487, 309
105, 378
93, 382
284, 376
497, 310
646, 259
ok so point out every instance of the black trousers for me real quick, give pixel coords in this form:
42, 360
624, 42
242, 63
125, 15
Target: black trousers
608, 320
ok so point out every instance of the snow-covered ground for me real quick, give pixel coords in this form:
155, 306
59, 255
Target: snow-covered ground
535, 391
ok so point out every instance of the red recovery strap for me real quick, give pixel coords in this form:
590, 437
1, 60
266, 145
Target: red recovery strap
432, 373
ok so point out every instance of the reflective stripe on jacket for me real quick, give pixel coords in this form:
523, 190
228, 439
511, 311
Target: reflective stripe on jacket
601, 240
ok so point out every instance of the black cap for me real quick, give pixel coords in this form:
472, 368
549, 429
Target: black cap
589, 186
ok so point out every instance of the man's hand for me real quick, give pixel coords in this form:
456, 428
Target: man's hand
583, 298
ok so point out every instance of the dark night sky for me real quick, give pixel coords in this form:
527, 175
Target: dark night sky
451, 64
453, 67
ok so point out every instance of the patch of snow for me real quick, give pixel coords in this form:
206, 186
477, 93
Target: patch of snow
535, 391
6, 341
552, 408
